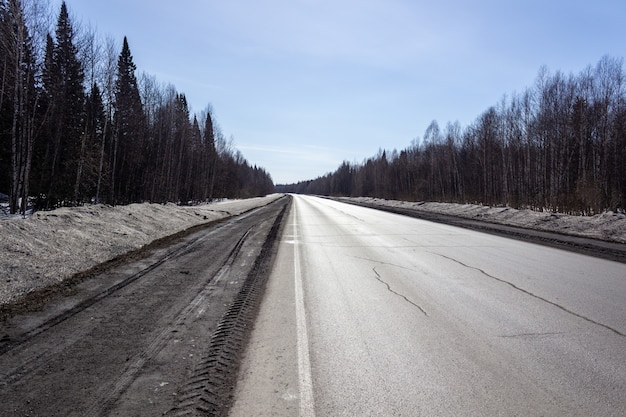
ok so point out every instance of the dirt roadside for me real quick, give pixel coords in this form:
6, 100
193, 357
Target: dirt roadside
141, 337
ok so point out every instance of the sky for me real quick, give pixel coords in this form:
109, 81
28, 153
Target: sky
302, 85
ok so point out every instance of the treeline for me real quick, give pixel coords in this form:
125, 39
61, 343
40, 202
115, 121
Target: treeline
77, 125
560, 145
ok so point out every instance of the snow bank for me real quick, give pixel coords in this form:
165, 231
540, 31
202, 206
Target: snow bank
50, 246
609, 226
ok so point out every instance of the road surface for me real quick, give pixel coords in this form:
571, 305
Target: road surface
369, 313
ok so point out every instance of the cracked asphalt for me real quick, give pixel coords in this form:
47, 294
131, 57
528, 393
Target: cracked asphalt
370, 313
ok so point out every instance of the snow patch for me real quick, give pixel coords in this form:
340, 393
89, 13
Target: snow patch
609, 226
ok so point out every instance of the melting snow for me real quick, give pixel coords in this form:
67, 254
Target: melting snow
47, 247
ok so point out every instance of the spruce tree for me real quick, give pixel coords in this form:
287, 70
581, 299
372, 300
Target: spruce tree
130, 128
92, 146
63, 85
210, 158
96, 130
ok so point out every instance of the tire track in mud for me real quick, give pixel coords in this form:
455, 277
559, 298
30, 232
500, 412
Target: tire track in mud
8, 343
210, 388
113, 391
23, 358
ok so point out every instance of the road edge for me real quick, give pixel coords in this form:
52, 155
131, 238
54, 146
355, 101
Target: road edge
612, 251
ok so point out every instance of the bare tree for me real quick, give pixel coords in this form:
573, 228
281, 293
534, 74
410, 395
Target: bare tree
18, 95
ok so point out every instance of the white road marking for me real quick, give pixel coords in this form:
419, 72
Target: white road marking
304, 363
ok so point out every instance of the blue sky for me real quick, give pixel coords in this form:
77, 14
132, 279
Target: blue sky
302, 85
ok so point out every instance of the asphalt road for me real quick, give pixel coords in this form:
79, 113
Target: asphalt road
369, 313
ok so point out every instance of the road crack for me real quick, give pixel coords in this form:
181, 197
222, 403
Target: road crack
385, 263
533, 295
379, 278
531, 335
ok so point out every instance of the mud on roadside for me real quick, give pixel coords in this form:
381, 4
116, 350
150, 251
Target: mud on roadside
162, 343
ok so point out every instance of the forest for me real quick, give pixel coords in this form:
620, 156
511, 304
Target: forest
559, 145
77, 124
